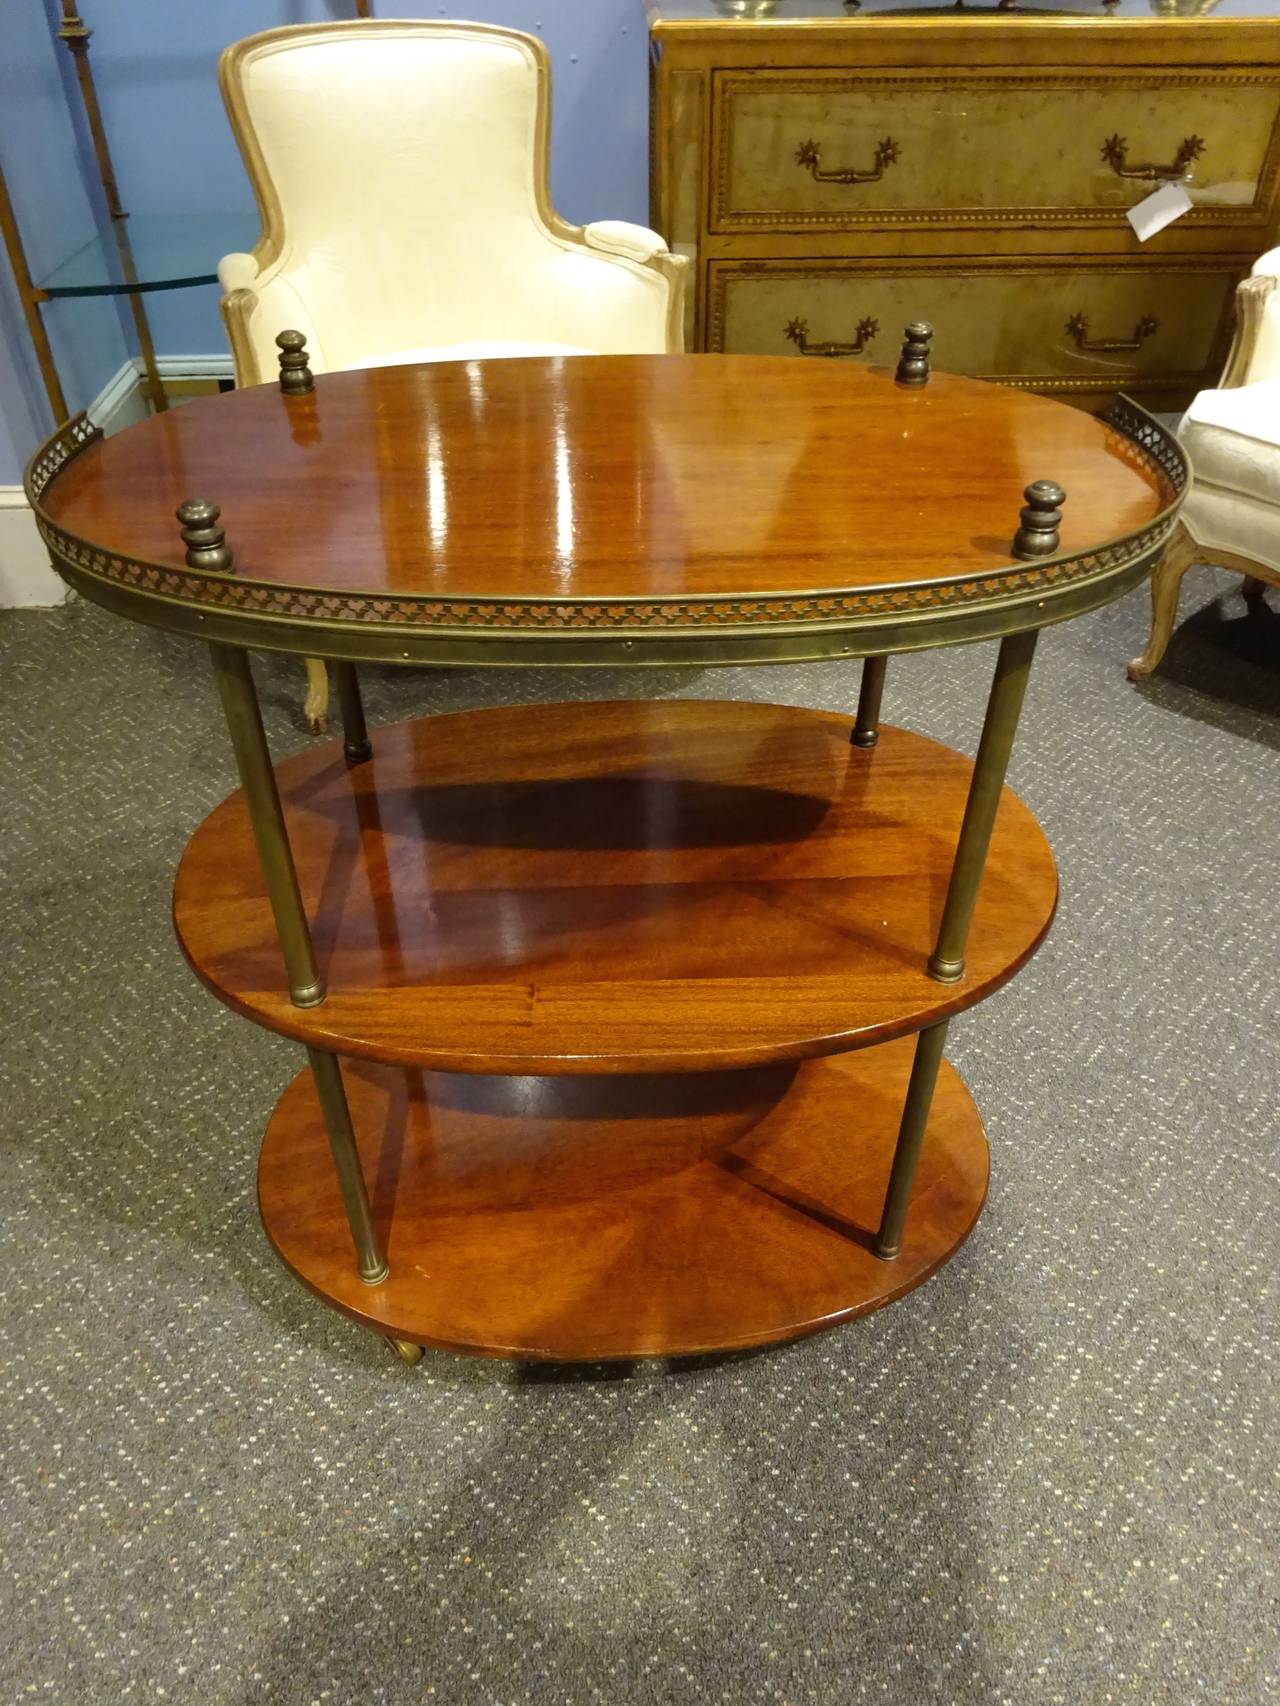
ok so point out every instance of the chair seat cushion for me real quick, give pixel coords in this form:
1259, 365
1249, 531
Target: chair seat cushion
483, 350
1233, 439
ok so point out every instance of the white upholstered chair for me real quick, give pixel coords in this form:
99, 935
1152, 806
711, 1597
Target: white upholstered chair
1231, 518
400, 170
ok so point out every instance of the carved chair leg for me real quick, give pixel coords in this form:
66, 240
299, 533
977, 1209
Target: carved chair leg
316, 709
1166, 583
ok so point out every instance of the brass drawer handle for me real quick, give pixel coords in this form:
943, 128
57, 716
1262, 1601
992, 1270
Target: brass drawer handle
1115, 151
798, 332
1078, 327
810, 154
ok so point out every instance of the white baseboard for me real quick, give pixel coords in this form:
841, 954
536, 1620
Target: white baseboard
119, 403
26, 580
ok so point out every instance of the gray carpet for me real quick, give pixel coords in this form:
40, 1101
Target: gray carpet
1050, 1475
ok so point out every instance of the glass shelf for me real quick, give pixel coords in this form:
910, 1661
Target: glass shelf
170, 251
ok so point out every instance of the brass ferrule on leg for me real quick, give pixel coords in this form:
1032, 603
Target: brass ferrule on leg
866, 730
234, 676
332, 1096
915, 1118
946, 963
355, 733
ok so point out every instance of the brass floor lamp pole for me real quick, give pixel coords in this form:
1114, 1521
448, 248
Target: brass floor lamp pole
76, 35
31, 298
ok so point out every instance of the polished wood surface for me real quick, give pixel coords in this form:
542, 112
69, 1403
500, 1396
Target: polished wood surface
631, 477
626, 886
622, 1217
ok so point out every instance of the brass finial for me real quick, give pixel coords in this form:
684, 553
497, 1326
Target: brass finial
913, 364
1041, 518
206, 542
296, 377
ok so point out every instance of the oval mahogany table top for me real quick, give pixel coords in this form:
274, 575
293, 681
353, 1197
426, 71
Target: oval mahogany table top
627, 886
610, 508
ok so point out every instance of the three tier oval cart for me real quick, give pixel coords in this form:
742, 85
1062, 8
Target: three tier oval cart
624, 1019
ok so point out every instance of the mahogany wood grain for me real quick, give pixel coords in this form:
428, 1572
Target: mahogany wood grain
617, 887
596, 1218
619, 476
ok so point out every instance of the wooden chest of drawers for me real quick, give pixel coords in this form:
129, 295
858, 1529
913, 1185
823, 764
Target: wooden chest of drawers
836, 173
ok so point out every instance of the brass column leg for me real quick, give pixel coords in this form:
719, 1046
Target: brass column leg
998, 729
332, 1097
234, 676
355, 733
866, 730
915, 1117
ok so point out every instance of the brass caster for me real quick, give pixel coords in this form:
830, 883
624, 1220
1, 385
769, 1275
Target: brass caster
409, 1354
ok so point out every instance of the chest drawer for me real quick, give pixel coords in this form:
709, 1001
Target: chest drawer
1085, 328
835, 150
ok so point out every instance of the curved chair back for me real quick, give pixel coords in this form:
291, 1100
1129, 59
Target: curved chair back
400, 170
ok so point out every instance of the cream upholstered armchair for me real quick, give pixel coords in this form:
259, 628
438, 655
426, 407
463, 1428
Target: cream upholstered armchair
1231, 518
400, 170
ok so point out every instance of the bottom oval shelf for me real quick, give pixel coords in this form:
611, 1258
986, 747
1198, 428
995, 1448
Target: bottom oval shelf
576, 1219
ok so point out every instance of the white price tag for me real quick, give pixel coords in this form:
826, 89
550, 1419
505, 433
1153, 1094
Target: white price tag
1159, 209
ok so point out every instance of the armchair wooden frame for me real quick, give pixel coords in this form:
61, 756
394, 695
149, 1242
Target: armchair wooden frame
1184, 550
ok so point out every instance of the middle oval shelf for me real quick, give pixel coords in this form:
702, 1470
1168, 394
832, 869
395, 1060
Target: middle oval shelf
627, 886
